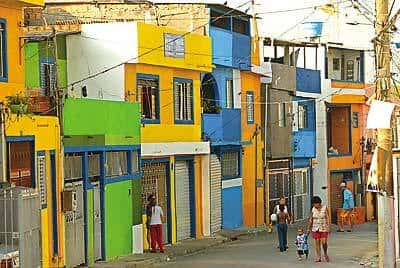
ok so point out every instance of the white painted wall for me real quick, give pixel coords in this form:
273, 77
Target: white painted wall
98, 48
237, 89
175, 148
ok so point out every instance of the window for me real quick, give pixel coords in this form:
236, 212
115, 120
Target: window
174, 45
135, 161
282, 114
302, 116
73, 167
94, 167
41, 174
336, 64
3, 51
149, 94
240, 26
116, 164
230, 164
339, 130
48, 77
350, 70
229, 93
223, 21
250, 107
183, 97
355, 119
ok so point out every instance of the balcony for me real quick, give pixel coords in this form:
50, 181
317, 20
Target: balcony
304, 144
345, 67
308, 80
224, 126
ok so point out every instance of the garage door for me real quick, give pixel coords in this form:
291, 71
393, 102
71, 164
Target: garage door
154, 177
215, 194
182, 188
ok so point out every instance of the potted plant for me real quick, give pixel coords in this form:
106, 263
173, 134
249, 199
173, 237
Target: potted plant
17, 104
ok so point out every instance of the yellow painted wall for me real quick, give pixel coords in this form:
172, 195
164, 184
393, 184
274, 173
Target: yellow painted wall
12, 13
348, 99
45, 129
342, 84
251, 82
167, 130
197, 48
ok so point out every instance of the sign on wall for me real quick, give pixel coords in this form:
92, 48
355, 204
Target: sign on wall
174, 45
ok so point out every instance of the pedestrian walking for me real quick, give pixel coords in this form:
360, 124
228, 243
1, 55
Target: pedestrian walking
282, 201
302, 244
156, 220
283, 219
320, 225
150, 199
348, 215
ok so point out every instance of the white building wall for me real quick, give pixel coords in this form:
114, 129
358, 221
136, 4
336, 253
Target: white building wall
101, 47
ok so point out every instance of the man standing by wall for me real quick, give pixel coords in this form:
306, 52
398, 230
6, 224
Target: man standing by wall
347, 216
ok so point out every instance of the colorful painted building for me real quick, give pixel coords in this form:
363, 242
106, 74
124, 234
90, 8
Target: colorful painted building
160, 70
32, 146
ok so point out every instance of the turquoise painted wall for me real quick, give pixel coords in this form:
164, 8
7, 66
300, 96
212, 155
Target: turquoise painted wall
118, 219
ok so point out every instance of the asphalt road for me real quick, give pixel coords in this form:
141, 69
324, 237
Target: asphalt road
345, 250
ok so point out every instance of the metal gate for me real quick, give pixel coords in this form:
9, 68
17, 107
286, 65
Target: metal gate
301, 197
278, 186
74, 229
154, 179
97, 222
182, 193
336, 192
215, 194
20, 227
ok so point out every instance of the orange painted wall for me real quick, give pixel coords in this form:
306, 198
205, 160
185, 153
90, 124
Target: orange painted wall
251, 82
348, 162
340, 84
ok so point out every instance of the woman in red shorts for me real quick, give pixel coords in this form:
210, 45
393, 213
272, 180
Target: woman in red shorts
320, 225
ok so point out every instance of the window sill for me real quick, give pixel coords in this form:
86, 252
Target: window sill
339, 155
230, 177
184, 122
151, 121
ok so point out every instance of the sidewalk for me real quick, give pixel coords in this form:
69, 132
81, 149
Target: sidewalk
184, 248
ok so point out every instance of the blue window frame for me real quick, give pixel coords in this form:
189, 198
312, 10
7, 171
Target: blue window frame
3, 51
148, 91
250, 107
183, 101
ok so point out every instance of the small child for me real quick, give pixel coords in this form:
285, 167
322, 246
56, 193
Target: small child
302, 244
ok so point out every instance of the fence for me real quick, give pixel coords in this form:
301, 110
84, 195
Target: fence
20, 228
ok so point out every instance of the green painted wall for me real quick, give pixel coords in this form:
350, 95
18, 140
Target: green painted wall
32, 72
118, 121
118, 219
90, 226
34, 51
137, 201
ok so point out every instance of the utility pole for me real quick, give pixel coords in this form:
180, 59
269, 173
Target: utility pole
386, 246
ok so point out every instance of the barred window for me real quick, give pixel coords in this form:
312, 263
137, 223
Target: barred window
230, 164
41, 173
250, 107
302, 116
73, 167
183, 95
116, 164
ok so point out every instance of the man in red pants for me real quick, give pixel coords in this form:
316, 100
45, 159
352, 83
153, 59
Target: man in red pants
157, 217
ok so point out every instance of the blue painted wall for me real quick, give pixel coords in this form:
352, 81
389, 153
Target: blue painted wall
304, 140
232, 207
301, 162
230, 49
308, 80
224, 126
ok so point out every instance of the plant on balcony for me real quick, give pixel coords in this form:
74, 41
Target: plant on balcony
209, 107
17, 104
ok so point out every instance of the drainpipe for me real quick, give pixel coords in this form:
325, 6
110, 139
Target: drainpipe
265, 152
3, 154
255, 135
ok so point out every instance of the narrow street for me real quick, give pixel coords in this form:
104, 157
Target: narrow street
259, 250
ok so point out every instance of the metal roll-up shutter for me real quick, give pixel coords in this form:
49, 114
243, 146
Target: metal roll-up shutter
182, 200
215, 194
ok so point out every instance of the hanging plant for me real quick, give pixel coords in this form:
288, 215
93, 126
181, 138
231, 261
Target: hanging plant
17, 104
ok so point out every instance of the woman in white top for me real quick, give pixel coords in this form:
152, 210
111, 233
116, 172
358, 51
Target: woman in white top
156, 233
320, 225
282, 201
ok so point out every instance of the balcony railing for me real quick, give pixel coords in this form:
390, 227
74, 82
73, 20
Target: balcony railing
224, 126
